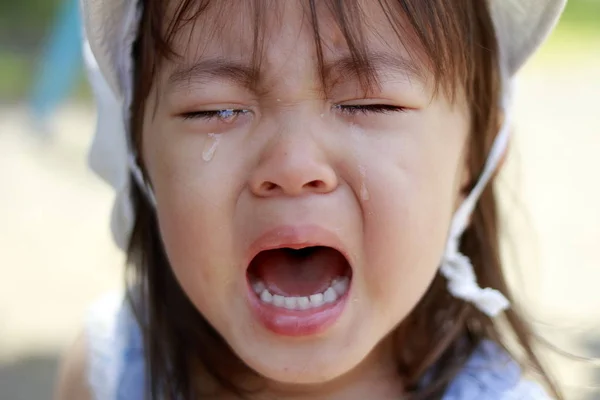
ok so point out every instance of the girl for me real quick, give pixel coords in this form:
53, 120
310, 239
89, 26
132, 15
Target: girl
303, 191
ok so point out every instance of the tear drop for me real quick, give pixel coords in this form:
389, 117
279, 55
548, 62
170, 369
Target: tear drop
364, 192
210, 147
228, 116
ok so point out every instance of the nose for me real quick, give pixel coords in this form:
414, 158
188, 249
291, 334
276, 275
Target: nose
293, 166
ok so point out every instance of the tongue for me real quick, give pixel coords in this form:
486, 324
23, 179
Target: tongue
303, 272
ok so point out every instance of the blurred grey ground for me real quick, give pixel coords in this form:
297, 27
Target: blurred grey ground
56, 255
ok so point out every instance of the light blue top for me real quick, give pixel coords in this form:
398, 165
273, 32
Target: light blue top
116, 363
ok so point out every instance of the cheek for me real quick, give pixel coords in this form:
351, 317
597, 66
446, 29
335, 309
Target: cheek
184, 220
412, 193
405, 234
196, 199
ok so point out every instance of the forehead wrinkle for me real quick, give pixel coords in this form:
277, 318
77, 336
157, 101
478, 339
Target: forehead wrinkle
242, 73
261, 81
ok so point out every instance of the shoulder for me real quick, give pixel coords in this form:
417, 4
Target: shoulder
72, 380
491, 374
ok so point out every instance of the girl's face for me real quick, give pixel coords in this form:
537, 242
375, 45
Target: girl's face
246, 164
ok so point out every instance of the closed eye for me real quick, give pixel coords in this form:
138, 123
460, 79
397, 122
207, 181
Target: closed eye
225, 115
228, 115
365, 109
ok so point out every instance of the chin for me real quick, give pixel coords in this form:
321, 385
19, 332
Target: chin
310, 359
307, 364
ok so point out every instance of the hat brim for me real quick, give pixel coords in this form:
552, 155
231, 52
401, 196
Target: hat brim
521, 26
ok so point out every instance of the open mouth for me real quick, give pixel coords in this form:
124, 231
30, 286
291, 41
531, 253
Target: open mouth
299, 291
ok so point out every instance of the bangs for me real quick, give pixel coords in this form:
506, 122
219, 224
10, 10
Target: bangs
437, 34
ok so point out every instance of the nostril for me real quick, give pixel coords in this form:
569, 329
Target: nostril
268, 186
316, 184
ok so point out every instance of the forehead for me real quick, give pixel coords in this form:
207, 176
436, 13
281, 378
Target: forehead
268, 31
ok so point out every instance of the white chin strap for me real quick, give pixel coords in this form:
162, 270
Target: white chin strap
455, 266
142, 183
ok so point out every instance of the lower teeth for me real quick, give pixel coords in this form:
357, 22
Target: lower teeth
338, 287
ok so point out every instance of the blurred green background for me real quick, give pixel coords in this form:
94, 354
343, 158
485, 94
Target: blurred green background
25, 25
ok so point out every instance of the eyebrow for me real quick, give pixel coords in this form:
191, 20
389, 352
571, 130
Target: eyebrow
242, 74
382, 63
212, 69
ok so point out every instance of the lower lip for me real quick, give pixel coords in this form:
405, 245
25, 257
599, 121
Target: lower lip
296, 322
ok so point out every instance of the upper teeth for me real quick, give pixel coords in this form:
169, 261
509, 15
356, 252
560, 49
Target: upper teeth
338, 287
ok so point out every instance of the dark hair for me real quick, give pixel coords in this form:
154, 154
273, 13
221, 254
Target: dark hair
459, 47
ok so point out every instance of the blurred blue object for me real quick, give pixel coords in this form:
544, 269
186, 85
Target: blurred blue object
61, 64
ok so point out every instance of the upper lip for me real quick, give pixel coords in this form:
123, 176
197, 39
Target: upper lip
296, 237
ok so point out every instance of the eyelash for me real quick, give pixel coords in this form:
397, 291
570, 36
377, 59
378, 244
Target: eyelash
367, 109
352, 110
212, 114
